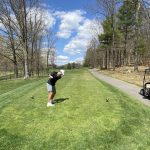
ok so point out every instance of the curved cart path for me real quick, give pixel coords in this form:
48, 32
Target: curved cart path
131, 89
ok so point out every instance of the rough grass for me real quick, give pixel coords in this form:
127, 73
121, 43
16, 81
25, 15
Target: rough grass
128, 74
89, 114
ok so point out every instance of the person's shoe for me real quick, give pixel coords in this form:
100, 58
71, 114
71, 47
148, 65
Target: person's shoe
50, 104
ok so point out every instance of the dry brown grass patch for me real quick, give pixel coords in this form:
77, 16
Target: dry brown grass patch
127, 74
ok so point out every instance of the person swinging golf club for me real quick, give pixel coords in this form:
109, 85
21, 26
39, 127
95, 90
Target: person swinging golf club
53, 77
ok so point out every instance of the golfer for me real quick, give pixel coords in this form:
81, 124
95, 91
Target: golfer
53, 77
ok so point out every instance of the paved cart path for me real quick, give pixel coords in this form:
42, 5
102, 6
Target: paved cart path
131, 89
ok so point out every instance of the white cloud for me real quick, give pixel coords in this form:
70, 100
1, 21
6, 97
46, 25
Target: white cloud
79, 43
60, 57
46, 6
2, 26
79, 60
96, 28
47, 17
75, 23
61, 60
70, 22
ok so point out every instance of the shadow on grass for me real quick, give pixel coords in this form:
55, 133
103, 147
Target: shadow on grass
59, 100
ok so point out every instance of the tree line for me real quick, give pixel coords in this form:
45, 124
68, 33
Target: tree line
125, 40
22, 32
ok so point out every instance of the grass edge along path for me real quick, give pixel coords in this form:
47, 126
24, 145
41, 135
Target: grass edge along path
84, 121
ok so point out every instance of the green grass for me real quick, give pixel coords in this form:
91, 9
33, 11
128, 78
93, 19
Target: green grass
8, 85
85, 121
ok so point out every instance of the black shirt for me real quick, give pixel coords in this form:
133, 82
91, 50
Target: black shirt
53, 80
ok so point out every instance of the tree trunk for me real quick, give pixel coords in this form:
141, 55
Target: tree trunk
26, 75
109, 58
125, 46
136, 36
31, 61
113, 35
106, 59
16, 69
47, 56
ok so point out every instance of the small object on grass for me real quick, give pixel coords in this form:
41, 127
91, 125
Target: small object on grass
32, 97
107, 99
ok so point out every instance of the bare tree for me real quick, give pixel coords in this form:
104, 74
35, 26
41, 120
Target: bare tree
51, 40
23, 29
20, 10
8, 36
23, 32
35, 32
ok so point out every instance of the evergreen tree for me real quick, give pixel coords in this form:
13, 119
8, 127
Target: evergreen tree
130, 17
126, 21
106, 41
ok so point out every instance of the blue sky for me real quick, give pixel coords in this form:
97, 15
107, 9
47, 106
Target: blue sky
71, 23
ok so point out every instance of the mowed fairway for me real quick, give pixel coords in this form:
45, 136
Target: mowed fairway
95, 116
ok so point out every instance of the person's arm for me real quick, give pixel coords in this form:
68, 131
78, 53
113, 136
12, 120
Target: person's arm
53, 74
50, 76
